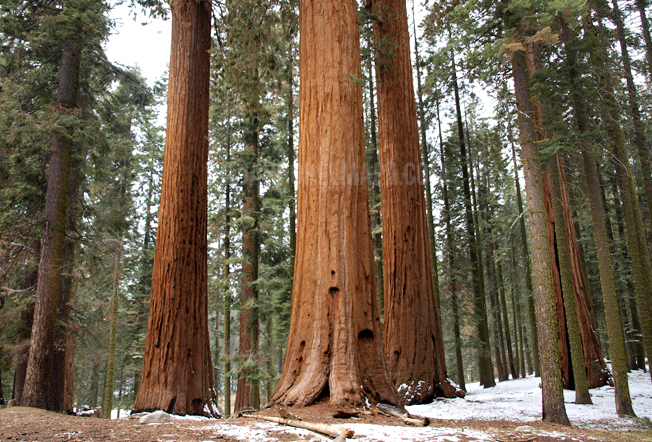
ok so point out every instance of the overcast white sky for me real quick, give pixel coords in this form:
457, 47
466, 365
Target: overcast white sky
144, 42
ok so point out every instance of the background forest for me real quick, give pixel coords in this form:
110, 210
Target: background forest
589, 66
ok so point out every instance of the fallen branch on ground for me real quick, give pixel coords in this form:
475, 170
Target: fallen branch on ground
403, 415
319, 428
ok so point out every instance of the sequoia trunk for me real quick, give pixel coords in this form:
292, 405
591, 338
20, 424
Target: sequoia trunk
334, 346
413, 342
177, 373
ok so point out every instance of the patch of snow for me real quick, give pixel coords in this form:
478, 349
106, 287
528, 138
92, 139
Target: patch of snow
257, 431
374, 433
122, 414
190, 417
520, 401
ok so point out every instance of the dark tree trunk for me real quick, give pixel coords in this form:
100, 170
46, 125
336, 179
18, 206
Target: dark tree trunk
334, 346
446, 214
375, 197
528, 273
60, 363
248, 390
413, 342
614, 327
645, 25
639, 128
227, 272
177, 374
39, 362
508, 334
553, 397
479, 310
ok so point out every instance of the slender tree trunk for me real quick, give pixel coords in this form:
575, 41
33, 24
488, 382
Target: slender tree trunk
639, 128
413, 340
248, 391
582, 395
645, 25
508, 334
528, 273
291, 157
623, 256
619, 362
57, 394
642, 265
426, 166
39, 363
69, 382
495, 309
516, 320
95, 381
375, 196
553, 397
113, 334
451, 262
216, 369
177, 371
334, 346
484, 352
227, 272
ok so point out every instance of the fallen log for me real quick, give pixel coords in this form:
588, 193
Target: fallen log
330, 430
403, 415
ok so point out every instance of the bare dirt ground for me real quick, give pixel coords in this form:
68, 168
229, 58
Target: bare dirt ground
29, 424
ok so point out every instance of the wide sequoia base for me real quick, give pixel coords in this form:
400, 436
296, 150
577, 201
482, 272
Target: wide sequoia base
335, 345
177, 372
412, 337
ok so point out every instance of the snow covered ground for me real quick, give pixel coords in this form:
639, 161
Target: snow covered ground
520, 401
515, 401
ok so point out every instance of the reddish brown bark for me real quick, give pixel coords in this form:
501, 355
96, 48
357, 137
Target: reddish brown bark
177, 374
597, 374
564, 346
69, 381
413, 342
334, 345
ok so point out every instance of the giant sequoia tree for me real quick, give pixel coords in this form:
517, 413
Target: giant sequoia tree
177, 373
335, 345
412, 335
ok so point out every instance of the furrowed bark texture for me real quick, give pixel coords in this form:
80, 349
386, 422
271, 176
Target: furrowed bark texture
334, 346
413, 342
528, 274
597, 373
177, 373
564, 347
553, 396
423, 127
582, 395
637, 242
39, 361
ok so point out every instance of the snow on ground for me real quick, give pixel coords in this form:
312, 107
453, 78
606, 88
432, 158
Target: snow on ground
520, 401
515, 400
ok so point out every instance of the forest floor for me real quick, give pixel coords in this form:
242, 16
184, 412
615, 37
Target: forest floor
509, 412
